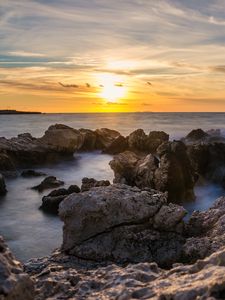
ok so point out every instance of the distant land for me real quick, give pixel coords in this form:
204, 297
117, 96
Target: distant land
16, 112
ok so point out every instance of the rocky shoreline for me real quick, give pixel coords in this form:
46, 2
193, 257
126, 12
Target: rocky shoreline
129, 239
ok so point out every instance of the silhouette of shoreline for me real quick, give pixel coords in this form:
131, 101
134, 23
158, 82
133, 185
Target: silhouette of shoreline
16, 112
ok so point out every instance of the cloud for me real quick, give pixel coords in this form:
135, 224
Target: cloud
25, 54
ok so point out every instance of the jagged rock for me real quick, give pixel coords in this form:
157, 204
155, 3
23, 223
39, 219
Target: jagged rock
3, 189
120, 144
137, 140
6, 163
48, 183
88, 183
50, 203
14, 283
175, 173
155, 139
63, 138
120, 223
196, 135
206, 231
172, 172
32, 173
89, 140
105, 137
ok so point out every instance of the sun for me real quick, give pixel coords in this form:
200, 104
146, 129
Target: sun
112, 88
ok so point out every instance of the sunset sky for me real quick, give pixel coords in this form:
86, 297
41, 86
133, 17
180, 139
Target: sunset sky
106, 56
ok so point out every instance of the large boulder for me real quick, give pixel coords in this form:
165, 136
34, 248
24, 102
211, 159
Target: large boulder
63, 138
118, 145
3, 189
123, 224
105, 137
171, 171
137, 140
14, 283
155, 139
89, 140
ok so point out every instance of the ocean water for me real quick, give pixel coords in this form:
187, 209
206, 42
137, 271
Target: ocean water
32, 233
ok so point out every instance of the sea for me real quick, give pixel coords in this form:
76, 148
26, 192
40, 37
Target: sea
30, 232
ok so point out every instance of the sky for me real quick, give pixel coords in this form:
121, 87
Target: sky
112, 56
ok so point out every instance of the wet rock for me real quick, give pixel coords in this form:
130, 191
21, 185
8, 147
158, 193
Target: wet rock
3, 189
48, 183
63, 138
120, 223
50, 203
32, 173
88, 183
6, 164
120, 144
105, 137
14, 283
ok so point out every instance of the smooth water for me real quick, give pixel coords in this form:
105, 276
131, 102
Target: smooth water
32, 233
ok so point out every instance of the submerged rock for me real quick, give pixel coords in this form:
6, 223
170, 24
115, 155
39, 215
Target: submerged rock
48, 183
123, 224
14, 283
32, 173
88, 183
3, 189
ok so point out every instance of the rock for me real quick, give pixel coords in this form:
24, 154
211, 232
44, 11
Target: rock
50, 203
32, 173
73, 189
196, 135
105, 137
137, 140
175, 173
88, 183
123, 166
120, 144
120, 223
89, 140
206, 232
3, 189
155, 139
63, 138
172, 172
6, 164
62, 278
48, 183
14, 283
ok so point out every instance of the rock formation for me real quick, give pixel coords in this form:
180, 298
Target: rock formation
49, 182
32, 173
123, 224
88, 183
14, 283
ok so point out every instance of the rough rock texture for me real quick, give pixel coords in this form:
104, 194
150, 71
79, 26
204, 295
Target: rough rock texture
63, 138
105, 137
14, 283
62, 277
50, 203
172, 172
138, 141
48, 183
3, 189
32, 173
196, 134
206, 231
89, 140
123, 224
118, 145
88, 183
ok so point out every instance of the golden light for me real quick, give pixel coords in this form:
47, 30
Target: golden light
112, 87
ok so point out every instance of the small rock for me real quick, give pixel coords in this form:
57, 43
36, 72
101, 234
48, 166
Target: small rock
88, 183
3, 189
32, 173
48, 183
